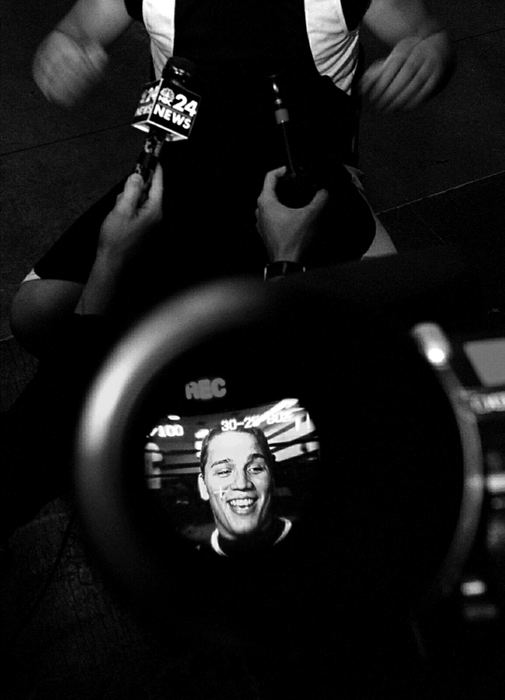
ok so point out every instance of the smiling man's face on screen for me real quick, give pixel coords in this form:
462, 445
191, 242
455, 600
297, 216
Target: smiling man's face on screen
237, 482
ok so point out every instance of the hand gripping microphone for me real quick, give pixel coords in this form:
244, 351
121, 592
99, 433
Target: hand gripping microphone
166, 111
297, 187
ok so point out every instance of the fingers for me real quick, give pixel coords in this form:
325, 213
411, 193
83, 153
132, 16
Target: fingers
395, 86
415, 92
131, 200
385, 82
153, 205
377, 79
419, 90
156, 190
407, 77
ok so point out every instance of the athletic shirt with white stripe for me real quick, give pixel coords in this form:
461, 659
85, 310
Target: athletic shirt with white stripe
262, 33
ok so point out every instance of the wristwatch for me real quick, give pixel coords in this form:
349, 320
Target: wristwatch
281, 268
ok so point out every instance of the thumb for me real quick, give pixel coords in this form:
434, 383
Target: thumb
129, 199
319, 200
271, 180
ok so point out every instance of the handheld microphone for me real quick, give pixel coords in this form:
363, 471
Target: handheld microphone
166, 111
297, 187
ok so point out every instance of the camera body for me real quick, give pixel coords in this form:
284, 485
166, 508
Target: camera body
389, 451
471, 370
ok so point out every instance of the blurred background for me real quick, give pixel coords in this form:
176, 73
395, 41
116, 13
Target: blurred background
433, 175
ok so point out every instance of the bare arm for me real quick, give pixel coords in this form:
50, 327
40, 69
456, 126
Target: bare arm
123, 230
41, 307
72, 58
421, 56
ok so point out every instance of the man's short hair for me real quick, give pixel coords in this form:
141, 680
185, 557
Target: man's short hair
257, 433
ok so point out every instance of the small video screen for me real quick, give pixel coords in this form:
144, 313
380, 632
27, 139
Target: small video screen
487, 357
234, 472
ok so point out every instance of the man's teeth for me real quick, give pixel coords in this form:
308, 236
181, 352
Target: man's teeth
242, 502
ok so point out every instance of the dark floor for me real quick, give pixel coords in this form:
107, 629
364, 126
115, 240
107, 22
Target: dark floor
434, 175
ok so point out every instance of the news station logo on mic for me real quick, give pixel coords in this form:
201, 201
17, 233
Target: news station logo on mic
172, 108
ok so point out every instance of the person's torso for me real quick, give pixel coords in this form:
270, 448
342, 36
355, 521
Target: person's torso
256, 35
235, 45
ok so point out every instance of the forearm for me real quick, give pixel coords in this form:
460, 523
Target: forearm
123, 233
394, 20
102, 21
100, 292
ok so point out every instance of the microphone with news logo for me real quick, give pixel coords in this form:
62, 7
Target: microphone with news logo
167, 111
